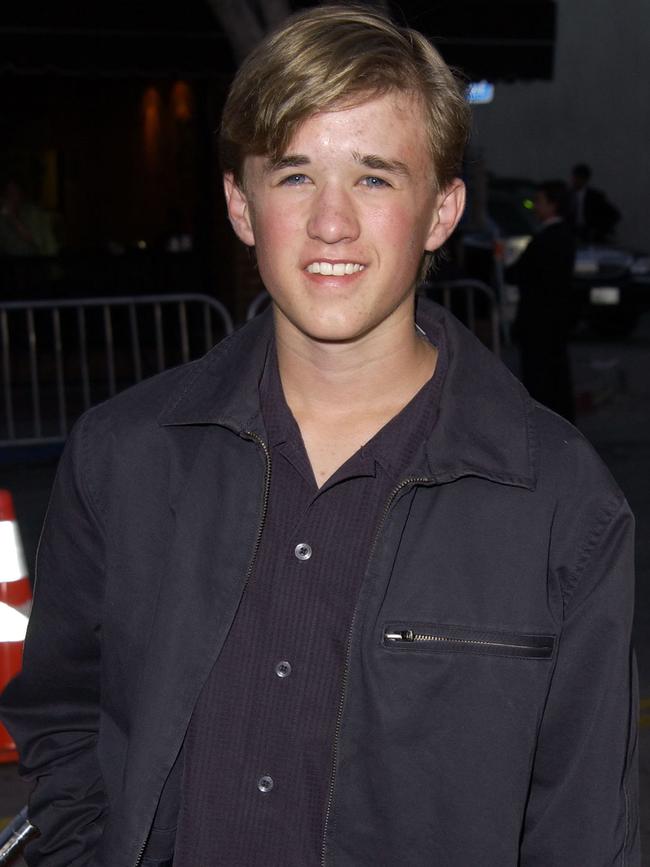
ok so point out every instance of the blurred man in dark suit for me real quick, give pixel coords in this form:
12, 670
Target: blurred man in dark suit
544, 274
593, 215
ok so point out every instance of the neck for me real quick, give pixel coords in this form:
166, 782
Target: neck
376, 374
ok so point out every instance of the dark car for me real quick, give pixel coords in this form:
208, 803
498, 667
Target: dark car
611, 288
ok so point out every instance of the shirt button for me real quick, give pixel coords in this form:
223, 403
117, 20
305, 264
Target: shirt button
303, 551
265, 783
283, 669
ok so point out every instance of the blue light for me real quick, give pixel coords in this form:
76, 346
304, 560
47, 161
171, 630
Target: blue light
480, 92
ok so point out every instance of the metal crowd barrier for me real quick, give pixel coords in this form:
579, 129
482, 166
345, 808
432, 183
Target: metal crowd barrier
60, 357
14, 837
473, 301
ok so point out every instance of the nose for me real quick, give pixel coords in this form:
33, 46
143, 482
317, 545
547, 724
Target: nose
333, 217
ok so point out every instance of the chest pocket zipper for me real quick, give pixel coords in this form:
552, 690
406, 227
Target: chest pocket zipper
457, 639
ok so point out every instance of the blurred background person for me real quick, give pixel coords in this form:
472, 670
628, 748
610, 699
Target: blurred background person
544, 274
594, 217
25, 227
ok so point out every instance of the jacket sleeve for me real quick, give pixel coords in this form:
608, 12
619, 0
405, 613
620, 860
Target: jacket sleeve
583, 802
52, 707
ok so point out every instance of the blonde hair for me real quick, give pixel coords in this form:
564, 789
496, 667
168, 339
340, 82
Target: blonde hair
331, 56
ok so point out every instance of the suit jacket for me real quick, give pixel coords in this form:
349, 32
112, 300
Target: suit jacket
598, 217
544, 275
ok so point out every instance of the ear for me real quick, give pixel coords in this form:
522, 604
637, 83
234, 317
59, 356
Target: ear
450, 205
238, 210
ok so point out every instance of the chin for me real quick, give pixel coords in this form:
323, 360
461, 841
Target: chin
330, 334
322, 326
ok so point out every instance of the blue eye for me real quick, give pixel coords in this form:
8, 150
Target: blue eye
294, 180
372, 181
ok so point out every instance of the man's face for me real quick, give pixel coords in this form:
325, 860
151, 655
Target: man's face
341, 221
545, 209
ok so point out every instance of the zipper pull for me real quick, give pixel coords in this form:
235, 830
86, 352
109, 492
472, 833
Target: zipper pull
404, 635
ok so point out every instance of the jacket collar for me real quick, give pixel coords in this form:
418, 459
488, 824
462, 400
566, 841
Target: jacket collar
223, 386
484, 426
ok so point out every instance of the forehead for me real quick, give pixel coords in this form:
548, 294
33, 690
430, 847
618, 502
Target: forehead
397, 117
392, 125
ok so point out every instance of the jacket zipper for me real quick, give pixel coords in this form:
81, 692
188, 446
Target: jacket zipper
348, 647
409, 635
260, 529
141, 852
265, 502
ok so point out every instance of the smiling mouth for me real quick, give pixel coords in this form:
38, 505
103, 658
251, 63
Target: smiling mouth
336, 269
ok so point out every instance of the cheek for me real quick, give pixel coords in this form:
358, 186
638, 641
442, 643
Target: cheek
269, 235
272, 234
389, 226
401, 231
276, 252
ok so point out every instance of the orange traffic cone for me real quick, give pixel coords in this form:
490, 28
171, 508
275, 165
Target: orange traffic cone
15, 605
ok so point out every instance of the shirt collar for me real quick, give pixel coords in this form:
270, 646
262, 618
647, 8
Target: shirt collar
393, 447
485, 423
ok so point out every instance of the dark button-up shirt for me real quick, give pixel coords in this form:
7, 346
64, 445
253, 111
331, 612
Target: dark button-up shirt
258, 753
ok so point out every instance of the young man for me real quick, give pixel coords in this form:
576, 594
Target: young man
339, 593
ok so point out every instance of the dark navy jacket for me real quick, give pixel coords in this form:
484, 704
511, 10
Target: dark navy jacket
488, 715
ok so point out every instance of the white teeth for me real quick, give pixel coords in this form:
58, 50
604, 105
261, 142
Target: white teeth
338, 269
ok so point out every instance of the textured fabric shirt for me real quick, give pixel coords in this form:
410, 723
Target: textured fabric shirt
258, 753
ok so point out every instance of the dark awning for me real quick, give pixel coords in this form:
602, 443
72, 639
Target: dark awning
494, 39
115, 38
117, 54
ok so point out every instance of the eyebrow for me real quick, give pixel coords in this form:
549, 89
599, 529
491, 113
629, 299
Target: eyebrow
289, 161
370, 161
373, 161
